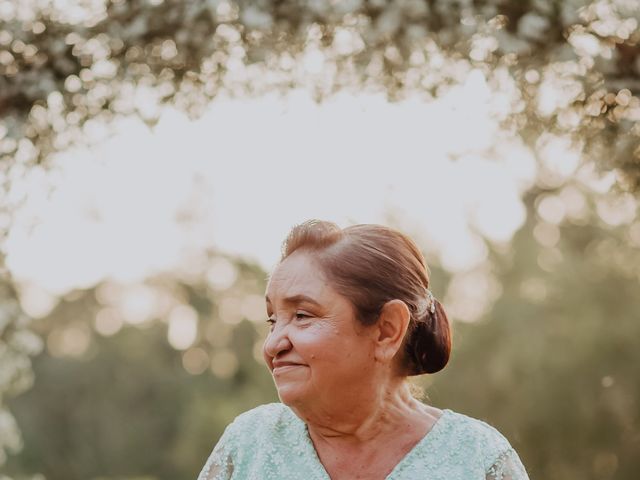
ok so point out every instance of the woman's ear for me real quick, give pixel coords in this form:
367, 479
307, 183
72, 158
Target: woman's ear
390, 329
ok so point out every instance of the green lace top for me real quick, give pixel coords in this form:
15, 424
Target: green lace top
271, 442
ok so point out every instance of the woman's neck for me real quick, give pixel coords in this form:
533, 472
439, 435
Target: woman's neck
370, 441
391, 409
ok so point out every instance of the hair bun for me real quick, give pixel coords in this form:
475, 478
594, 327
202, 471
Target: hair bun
429, 343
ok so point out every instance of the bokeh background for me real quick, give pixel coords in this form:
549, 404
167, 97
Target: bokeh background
154, 154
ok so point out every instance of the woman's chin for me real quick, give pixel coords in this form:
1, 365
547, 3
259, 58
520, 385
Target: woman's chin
289, 394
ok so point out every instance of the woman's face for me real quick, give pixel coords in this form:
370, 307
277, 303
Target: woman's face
316, 349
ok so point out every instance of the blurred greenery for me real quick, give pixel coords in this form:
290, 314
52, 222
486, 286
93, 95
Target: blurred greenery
125, 406
553, 364
551, 361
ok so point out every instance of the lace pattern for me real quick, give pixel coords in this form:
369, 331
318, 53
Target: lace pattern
219, 466
271, 442
507, 467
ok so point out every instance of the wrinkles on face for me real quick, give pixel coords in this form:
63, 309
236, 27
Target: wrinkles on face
298, 286
315, 327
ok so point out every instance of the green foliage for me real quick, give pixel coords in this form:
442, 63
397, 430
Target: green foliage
553, 363
129, 410
126, 407
17, 344
572, 66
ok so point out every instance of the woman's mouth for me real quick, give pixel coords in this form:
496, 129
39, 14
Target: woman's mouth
283, 367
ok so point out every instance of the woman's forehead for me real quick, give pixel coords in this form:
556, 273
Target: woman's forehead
297, 275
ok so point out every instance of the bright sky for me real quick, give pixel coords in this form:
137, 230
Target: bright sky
240, 176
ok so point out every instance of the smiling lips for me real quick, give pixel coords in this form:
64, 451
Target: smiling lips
282, 366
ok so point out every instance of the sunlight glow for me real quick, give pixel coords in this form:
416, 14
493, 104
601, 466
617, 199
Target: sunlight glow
108, 322
224, 363
237, 179
183, 327
72, 340
195, 361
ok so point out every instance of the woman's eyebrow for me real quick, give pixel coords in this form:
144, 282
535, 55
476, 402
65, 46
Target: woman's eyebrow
296, 299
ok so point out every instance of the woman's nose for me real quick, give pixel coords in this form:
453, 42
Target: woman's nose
276, 342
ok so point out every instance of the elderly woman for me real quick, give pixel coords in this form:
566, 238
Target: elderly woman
351, 317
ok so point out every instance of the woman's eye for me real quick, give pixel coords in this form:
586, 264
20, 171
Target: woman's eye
271, 321
301, 315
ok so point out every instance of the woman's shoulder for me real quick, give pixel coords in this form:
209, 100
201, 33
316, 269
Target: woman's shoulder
474, 427
474, 436
251, 441
263, 420
268, 414
459, 447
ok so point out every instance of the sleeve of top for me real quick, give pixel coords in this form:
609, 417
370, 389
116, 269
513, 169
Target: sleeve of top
507, 467
219, 465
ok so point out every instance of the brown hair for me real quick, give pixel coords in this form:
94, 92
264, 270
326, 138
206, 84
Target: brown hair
371, 265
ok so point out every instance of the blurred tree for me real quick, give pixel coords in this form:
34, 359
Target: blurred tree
565, 67
554, 365
120, 396
572, 67
17, 344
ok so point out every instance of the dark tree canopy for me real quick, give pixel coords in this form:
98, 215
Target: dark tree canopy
574, 66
